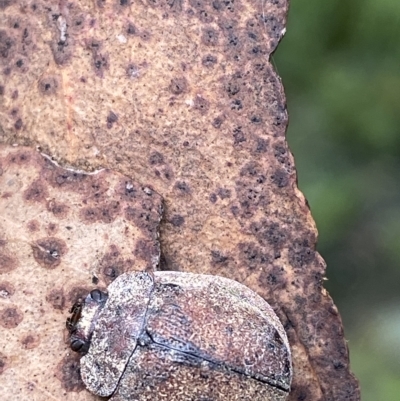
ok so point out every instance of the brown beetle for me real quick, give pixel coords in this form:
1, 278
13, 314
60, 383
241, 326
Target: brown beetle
183, 337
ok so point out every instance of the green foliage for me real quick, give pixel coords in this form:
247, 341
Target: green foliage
340, 65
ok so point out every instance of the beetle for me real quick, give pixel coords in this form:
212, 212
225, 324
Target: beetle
181, 336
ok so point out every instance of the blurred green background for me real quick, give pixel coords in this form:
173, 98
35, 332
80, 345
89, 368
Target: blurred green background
340, 65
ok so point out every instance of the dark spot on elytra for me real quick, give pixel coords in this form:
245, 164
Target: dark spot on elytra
14, 95
178, 85
49, 251
67, 179
20, 158
56, 298
146, 250
232, 88
10, 317
209, 60
30, 341
36, 192
109, 211
177, 220
18, 124
48, 85
3, 363
300, 393
111, 119
252, 256
89, 215
2, 90
69, 373
156, 159
280, 178
52, 228
7, 263
33, 226
210, 36
95, 280
6, 289
59, 210
218, 258
182, 187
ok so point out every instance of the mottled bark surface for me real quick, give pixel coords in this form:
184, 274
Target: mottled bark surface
180, 95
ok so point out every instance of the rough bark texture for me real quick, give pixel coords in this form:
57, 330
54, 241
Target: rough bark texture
180, 94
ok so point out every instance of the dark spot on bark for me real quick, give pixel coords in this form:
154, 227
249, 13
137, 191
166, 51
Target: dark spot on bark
69, 373
224, 193
10, 317
59, 210
33, 226
145, 36
128, 190
301, 253
76, 293
201, 104
95, 280
232, 88
269, 234
7, 263
156, 158
89, 215
30, 341
62, 50
217, 122
59, 177
1, 90
100, 63
261, 145
178, 85
146, 250
300, 393
182, 187
6, 47
3, 363
49, 251
177, 220
56, 298
131, 29
273, 277
145, 219
6, 3
18, 124
280, 178
112, 264
210, 37
19, 63
217, 257
14, 95
48, 85
111, 119
36, 192
238, 136
252, 256
6, 289
213, 198
209, 60
236, 104
109, 211
124, 3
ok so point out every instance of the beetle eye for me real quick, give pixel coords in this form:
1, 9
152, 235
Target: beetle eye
98, 295
79, 345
